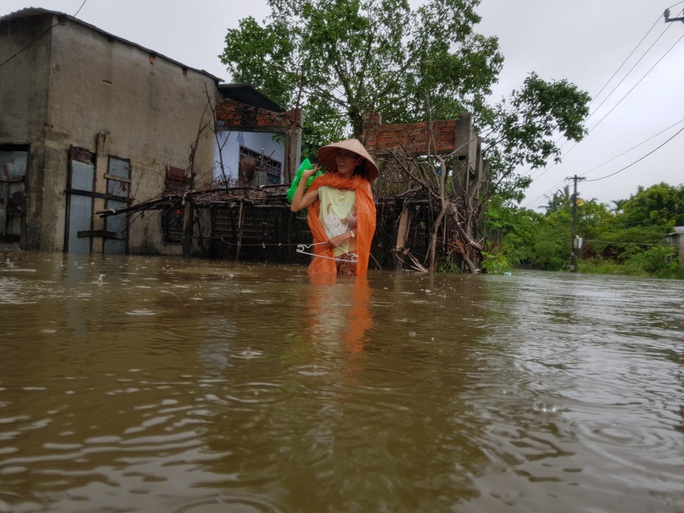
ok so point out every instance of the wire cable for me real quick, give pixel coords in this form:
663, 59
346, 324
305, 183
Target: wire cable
655, 23
630, 71
535, 203
79, 9
635, 85
633, 147
538, 200
638, 160
545, 170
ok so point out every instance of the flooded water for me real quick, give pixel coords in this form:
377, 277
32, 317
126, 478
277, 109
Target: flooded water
134, 384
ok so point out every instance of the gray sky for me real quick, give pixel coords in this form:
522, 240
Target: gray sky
585, 42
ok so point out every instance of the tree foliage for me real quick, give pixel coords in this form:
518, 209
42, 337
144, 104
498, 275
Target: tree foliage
635, 234
660, 204
629, 239
344, 59
341, 60
523, 130
561, 198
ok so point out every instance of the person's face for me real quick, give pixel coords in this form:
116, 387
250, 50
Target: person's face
346, 162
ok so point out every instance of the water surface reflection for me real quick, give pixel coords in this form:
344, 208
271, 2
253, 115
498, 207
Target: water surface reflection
153, 384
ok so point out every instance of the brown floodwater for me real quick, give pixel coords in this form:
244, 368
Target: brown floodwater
149, 384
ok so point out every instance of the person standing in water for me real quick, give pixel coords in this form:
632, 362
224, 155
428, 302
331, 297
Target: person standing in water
341, 208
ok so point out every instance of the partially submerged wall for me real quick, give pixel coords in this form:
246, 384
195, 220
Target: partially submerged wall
75, 86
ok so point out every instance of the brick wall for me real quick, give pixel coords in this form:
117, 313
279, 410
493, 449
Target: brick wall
414, 138
234, 115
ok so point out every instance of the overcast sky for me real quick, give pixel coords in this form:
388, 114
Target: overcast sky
585, 42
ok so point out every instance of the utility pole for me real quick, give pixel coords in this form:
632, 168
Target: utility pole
670, 20
573, 257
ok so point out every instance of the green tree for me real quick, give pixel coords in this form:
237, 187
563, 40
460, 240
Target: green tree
559, 199
543, 241
660, 204
642, 221
516, 228
344, 59
632, 236
627, 240
523, 130
592, 217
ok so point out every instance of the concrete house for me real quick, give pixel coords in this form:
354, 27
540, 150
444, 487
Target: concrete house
676, 239
92, 122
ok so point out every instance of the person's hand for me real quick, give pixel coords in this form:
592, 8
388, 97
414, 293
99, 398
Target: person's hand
308, 173
337, 240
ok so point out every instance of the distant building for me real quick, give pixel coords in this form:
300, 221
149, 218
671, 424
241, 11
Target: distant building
247, 151
92, 122
676, 238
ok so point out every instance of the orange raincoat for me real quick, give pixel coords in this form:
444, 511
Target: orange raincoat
365, 228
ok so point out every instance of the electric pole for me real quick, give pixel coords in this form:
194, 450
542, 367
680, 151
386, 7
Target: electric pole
573, 257
670, 20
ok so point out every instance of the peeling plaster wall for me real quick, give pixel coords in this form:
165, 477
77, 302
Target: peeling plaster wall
24, 105
76, 84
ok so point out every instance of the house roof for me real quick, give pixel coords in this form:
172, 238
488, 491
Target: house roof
245, 93
39, 11
678, 230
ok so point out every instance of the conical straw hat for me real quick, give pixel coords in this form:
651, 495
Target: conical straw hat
326, 156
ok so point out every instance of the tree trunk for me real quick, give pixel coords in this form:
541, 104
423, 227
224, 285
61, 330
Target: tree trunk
433, 238
402, 236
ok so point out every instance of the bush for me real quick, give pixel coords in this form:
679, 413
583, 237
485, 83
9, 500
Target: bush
495, 262
658, 261
601, 266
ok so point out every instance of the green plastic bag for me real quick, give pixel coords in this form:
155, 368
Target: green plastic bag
298, 176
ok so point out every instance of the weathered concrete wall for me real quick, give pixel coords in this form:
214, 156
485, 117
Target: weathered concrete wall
676, 239
77, 84
23, 79
24, 106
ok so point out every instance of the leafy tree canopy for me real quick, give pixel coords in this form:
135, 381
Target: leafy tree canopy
523, 129
660, 204
343, 59
560, 199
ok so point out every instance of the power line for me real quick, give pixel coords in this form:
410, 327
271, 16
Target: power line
633, 147
79, 9
638, 160
640, 80
655, 23
630, 71
534, 203
614, 107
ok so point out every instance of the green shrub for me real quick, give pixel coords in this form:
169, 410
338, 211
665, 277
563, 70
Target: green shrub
659, 261
495, 262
